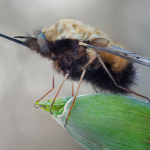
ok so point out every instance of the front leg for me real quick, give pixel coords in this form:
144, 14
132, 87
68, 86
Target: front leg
46, 93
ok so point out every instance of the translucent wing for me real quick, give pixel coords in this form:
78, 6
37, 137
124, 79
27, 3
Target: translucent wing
122, 53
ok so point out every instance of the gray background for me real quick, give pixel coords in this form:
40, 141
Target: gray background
25, 77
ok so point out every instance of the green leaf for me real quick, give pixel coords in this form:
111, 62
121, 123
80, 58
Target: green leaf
108, 121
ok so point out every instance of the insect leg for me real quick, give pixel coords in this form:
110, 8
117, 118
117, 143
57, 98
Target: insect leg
76, 94
81, 78
46, 93
72, 89
58, 92
101, 61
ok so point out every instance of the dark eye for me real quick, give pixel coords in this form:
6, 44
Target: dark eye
43, 43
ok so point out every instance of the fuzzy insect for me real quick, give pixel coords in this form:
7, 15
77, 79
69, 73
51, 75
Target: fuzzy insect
81, 52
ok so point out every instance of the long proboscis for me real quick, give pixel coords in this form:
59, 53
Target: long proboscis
13, 39
118, 51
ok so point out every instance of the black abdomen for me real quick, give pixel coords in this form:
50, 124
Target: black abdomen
101, 81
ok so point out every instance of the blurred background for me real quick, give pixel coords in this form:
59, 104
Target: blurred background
25, 77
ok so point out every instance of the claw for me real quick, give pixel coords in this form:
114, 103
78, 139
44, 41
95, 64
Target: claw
36, 106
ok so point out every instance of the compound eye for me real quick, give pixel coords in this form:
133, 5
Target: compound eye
43, 43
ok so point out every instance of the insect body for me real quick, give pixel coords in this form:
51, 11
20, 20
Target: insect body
68, 56
81, 52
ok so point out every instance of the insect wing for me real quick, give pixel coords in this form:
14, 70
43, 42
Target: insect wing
129, 55
121, 52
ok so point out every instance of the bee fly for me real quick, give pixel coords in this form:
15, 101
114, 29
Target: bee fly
81, 52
